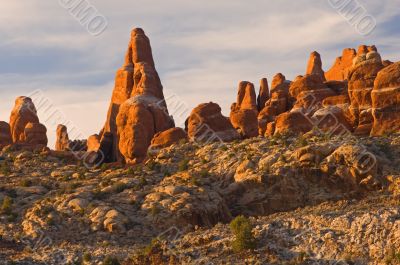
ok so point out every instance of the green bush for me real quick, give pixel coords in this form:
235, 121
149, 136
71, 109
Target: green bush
184, 165
6, 205
111, 261
244, 238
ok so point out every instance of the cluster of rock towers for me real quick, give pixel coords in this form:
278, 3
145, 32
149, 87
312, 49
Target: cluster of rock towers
359, 95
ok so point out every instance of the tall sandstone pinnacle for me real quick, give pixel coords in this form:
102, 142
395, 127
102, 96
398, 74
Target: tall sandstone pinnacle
138, 109
244, 112
263, 94
62, 139
314, 66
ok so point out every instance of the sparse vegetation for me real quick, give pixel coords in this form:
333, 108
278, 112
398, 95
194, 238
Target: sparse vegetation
184, 165
242, 230
110, 260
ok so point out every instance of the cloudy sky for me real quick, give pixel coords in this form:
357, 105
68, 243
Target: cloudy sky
202, 49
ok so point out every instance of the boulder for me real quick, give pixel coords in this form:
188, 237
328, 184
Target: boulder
168, 138
207, 124
35, 134
386, 101
138, 120
314, 66
263, 94
332, 121
279, 82
93, 143
5, 134
294, 123
62, 139
24, 112
342, 65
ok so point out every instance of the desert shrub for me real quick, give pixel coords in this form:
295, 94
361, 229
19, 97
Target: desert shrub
149, 248
25, 183
393, 258
119, 187
87, 257
5, 168
6, 205
184, 165
109, 260
244, 238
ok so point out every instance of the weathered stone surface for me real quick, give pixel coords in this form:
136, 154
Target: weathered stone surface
168, 138
386, 101
24, 112
342, 65
292, 123
5, 134
361, 83
263, 94
93, 143
206, 123
331, 120
35, 134
314, 66
62, 139
138, 120
244, 112
138, 77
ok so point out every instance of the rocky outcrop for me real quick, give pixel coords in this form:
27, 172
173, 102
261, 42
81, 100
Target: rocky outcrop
35, 134
342, 65
93, 143
277, 104
294, 123
5, 134
138, 120
332, 121
386, 101
138, 88
244, 112
361, 83
308, 92
62, 139
263, 94
24, 112
207, 124
314, 66
168, 138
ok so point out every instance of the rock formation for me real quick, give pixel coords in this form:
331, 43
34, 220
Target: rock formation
93, 143
168, 138
263, 94
62, 139
361, 82
294, 122
342, 65
24, 112
207, 124
35, 134
244, 112
314, 66
386, 101
5, 134
138, 88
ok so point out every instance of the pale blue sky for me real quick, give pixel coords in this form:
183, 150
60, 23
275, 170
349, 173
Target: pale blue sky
202, 49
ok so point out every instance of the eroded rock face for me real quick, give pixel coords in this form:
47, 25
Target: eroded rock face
314, 66
361, 83
206, 123
35, 134
386, 101
244, 112
342, 65
138, 120
62, 140
138, 85
5, 134
24, 112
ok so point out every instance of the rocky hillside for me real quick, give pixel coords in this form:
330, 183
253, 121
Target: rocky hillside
305, 172
321, 202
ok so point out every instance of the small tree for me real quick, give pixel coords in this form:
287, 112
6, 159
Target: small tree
244, 238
